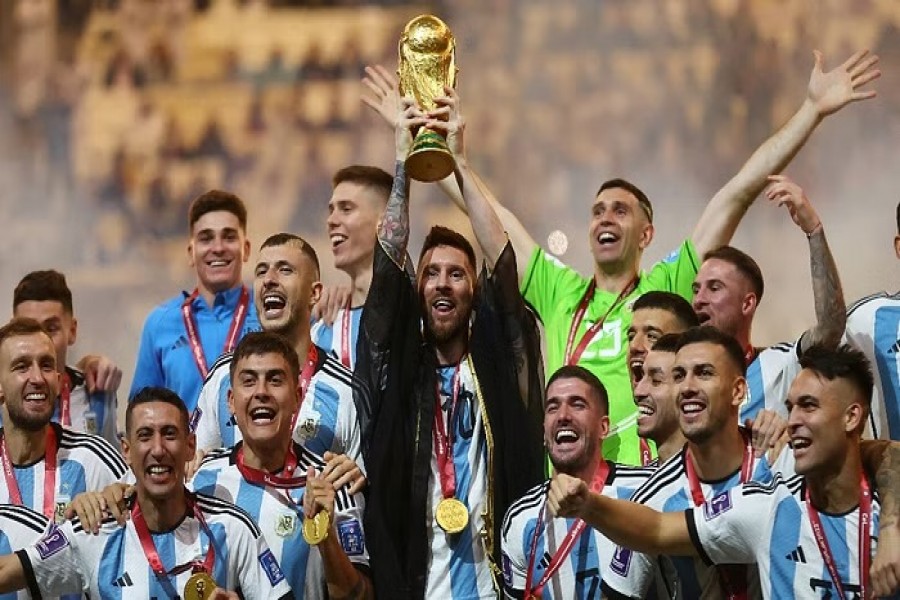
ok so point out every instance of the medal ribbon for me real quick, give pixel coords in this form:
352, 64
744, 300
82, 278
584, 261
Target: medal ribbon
284, 481
15, 495
237, 323
865, 539
572, 357
443, 443
65, 395
733, 578
306, 375
345, 335
143, 533
568, 542
646, 453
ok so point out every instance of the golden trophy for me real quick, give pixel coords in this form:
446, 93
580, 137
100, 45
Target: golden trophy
427, 52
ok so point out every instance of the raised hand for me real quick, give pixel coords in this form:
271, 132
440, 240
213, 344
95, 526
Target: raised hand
318, 496
332, 299
340, 470
567, 496
101, 374
830, 91
786, 192
408, 120
385, 97
448, 119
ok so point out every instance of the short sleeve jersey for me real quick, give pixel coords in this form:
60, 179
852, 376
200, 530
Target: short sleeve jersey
328, 421
768, 524
19, 527
339, 338
165, 357
555, 292
279, 514
581, 574
873, 326
84, 463
113, 564
769, 378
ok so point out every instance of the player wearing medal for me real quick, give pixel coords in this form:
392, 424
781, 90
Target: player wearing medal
182, 336
813, 534
279, 482
175, 545
656, 315
357, 201
729, 287
873, 326
585, 318
45, 297
43, 464
453, 365
286, 285
555, 557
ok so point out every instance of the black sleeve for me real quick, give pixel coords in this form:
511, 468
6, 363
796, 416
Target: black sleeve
695, 538
610, 593
29, 574
390, 299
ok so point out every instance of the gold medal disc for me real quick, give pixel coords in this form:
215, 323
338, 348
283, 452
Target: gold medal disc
452, 515
315, 530
199, 586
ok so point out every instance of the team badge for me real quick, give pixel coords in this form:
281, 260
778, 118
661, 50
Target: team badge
90, 423
285, 524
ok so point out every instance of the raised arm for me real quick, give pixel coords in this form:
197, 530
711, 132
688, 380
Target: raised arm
385, 100
626, 523
827, 92
831, 312
882, 457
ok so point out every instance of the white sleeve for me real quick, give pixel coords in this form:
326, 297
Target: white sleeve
515, 563
205, 419
350, 435
348, 522
259, 575
629, 573
54, 563
730, 527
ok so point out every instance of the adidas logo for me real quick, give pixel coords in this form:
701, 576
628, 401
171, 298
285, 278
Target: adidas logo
123, 581
796, 555
232, 422
895, 348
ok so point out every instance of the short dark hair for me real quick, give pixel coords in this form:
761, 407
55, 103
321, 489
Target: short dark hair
744, 263
624, 184
265, 342
707, 334
844, 362
283, 239
216, 200
442, 236
43, 286
373, 177
156, 394
674, 304
579, 372
667, 343
19, 326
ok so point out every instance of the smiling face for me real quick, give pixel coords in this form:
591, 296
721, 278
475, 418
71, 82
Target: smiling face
709, 390
55, 319
574, 425
263, 399
823, 418
157, 447
217, 250
285, 288
619, 229
446, 283
723, 297
29, 382
654, 395
353, 213
647, 326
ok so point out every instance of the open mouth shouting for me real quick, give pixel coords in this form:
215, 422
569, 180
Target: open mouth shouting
336, 240
263, 415
274, 304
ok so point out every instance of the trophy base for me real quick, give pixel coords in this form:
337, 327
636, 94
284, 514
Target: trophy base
429, 158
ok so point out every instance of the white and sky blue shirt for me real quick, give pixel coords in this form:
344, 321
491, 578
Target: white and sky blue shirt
330, 337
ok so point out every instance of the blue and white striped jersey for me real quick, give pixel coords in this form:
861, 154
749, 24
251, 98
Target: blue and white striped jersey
581, 574
769, 378
280, 520
85, 463
113, 565
459, 563
19, 527
631, 574
327, 421
873, 326
330, 337
767, 524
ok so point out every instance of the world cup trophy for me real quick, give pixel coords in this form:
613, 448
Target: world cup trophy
427, 52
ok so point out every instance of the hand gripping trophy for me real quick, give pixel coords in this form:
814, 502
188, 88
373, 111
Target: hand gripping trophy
427, 52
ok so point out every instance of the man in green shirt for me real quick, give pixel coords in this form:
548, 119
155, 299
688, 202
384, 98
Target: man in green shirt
621, 227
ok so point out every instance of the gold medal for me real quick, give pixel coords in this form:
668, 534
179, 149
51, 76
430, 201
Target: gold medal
452, 515
315, 530
199, 586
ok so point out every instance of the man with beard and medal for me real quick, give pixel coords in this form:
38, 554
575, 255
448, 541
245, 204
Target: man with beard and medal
192, 543
453, 364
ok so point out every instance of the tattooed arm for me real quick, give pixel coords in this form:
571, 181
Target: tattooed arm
393, 230
882, 457
831, 313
